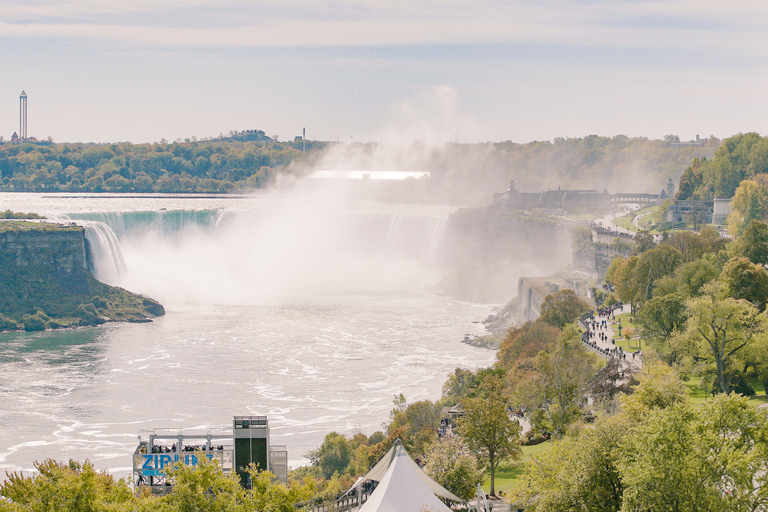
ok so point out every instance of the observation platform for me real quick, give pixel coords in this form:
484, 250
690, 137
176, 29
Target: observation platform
235, 450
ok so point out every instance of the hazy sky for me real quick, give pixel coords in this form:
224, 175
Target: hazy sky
142, 70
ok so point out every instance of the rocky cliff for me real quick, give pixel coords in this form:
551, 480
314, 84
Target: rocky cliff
490, 249
44, 281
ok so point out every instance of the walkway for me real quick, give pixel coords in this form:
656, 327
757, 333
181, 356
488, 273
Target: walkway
600, 333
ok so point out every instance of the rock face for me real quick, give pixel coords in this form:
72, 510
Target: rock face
489, 249
44, 282
60, 249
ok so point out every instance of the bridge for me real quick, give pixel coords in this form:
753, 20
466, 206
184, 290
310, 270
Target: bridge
634, 198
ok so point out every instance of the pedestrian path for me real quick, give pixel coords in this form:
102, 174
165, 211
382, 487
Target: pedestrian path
599, 333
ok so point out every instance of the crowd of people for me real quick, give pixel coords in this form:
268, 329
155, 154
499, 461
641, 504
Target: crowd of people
610, 231
596, 325
158, 448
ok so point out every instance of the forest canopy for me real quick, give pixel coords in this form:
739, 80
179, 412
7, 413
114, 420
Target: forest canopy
461, 173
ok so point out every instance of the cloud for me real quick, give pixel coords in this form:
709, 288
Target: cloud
233, 23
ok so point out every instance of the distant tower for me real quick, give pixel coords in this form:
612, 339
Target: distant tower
670, 189
303, 140
23, 116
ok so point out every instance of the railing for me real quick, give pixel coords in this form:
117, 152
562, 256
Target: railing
340, 505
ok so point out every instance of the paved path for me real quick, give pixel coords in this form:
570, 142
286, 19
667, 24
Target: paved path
602, 334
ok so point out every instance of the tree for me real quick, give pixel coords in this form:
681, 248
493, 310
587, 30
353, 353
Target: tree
746, 280
525, 342
710, 457
658, 387
643, 242
578, 472
488, 429
749, 203
718, 329
652, 265
453, 467
333, 456
562, 375
66, 487
562, 308
662, 317
692, 276
416, 424
753, 243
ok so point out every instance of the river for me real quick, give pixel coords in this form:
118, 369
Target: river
309, 308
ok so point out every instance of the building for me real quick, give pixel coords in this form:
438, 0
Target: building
721, 209
247, 443
563, 201
691, 211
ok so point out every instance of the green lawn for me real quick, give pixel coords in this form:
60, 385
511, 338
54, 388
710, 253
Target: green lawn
508, 473
625, 222
698, 395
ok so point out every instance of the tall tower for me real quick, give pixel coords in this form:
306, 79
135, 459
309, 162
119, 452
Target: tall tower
671, 189
23, 116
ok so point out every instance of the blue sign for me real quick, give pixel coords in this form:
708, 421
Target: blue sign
154, 464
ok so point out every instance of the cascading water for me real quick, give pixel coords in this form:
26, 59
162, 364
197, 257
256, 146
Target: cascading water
164, 221
108, 264
266, 252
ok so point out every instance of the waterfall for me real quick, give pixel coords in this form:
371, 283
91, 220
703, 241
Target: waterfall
108, 265
270, 250
163, 221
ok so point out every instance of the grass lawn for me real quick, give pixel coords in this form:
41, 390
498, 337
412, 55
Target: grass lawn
698, 396
581, 216
625, 222
508, 473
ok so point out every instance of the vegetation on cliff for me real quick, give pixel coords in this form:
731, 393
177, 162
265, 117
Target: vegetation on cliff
44, 283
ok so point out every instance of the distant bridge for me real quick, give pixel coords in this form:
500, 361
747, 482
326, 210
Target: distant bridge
634, 198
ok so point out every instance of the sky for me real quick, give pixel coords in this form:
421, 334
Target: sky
375, 70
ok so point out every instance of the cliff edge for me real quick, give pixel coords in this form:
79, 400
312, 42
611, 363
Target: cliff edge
44, 282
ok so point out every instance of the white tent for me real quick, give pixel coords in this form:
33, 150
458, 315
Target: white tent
403, 486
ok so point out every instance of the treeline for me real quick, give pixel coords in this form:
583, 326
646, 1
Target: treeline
461, 173
741, 157
619, 163
194, 166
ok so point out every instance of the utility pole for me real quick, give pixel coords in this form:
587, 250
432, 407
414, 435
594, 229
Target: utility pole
303, 140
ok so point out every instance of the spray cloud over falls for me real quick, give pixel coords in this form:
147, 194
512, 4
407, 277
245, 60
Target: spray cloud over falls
280, 247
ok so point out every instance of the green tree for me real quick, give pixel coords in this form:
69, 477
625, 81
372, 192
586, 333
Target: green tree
70, 487
753, 243
488, 429
654, 264
748, 204
333, 456
453, 467
706, 458
562, 308
554, 391
718, 330
525, 342
692, 276
415, 424
578, 472
662, 317
746, 280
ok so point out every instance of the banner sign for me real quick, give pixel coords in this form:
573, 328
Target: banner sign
154, 464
